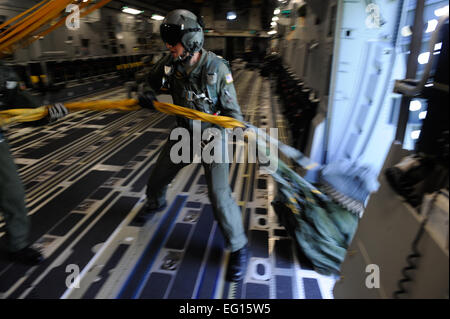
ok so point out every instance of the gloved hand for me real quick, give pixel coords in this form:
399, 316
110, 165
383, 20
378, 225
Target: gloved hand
57, 111
146, 99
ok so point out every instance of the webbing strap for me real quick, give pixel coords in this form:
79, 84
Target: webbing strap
29, 115
28, 26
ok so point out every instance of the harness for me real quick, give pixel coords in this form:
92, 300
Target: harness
209, 78
209, 75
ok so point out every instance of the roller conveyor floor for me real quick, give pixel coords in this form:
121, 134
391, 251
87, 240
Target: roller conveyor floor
85, 178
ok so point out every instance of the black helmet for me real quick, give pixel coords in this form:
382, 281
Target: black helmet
185, 27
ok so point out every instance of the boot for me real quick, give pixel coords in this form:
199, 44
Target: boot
150, 208
238, 264
27, 256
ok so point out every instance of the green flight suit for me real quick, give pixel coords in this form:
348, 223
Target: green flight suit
12, 201
183, 86
12, 192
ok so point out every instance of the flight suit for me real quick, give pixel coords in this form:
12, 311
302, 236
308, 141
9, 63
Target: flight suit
12, 204
187, 89
12, 192
139, 77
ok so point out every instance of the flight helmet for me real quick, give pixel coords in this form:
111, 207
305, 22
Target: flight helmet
183, 26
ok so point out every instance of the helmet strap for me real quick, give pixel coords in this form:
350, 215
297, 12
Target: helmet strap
185, 57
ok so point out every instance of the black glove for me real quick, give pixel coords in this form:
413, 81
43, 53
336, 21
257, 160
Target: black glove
57, 111
146, 99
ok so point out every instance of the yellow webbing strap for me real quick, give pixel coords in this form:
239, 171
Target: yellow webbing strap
60, 22
172, 109
10, 21
29, 115
29, 25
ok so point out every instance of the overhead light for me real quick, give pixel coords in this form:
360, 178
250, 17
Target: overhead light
423, 115
131, 10
423, 58
431, 25
277, 11
275, 19
438, 46
406, 31
231, 15
272, 32
273, 23
415, 105
441, 11
157, 17
415, 134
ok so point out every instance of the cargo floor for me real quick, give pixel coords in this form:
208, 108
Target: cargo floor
85, 178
